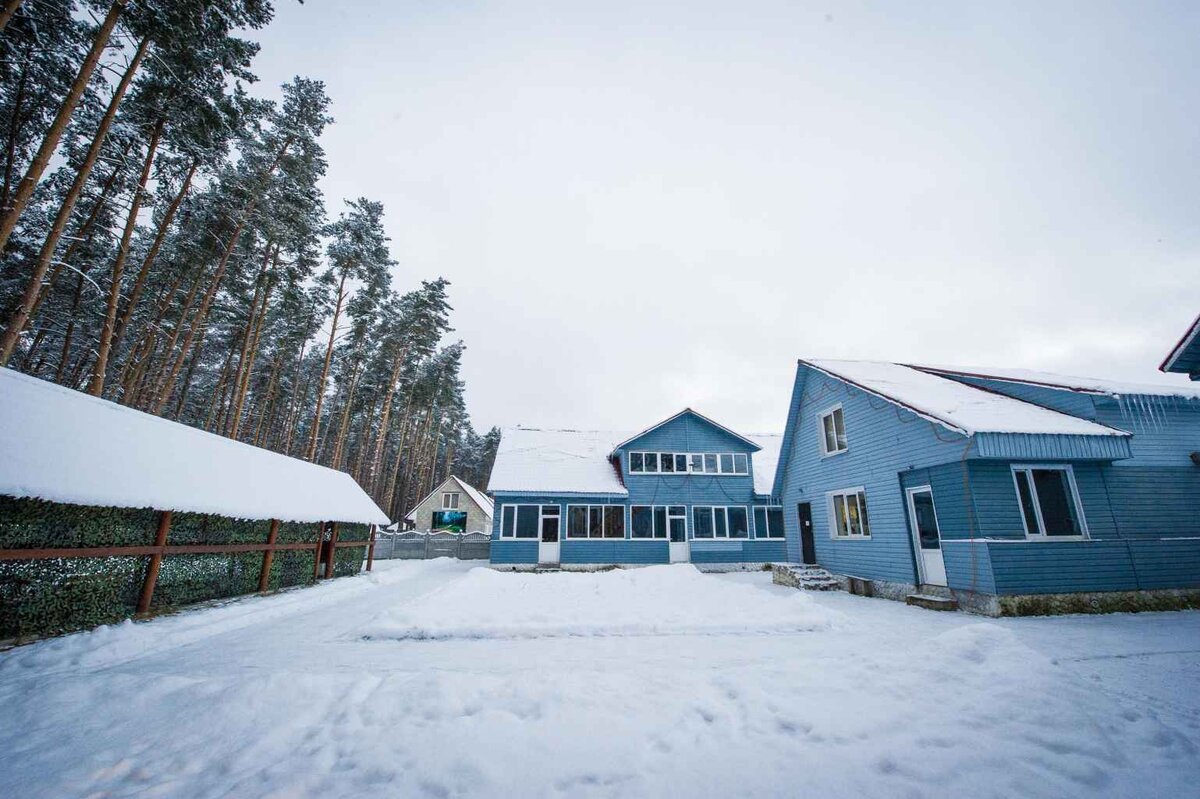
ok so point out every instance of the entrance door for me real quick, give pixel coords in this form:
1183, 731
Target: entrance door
548, 543
808, 545
677, 529
926, 538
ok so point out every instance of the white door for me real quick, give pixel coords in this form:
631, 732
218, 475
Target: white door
679, 552
549, 529
927, 540
676, 520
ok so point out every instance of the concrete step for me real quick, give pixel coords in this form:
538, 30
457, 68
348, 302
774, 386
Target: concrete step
808, 578
931, 602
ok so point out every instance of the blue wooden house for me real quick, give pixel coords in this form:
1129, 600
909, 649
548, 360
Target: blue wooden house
684, 490
1012, 492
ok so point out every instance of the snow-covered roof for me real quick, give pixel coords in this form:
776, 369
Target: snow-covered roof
65, 446
766, 461
1084, 385
672, 418
1185, 356
478, 497
954, 405
572, 461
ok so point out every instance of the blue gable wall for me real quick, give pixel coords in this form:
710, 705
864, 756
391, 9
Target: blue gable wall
883, 440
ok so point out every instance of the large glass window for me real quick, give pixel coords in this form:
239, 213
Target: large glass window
637, 463
739, 524
1049, 502
595, 521
710, 463
689, 463
641, 521
702, 522
848, 514
520, 521
768, 522
833, 431
720, 522
667, 462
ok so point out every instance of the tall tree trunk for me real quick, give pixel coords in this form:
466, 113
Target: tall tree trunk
65, 354
385, 414
96, 388
262, 290
6, 12
139, 283
84, 233
339, 442
14, 128
8, 220
159, 382
218, 275
16, 322
316, 426
146, 343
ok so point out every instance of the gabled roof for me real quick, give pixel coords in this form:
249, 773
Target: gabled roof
482, 500
754, 446
956, 406
566, 461
1081, 385
64, 446
1185, 357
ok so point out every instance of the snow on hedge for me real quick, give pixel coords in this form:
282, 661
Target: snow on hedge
955, 405
656, 600
65, 446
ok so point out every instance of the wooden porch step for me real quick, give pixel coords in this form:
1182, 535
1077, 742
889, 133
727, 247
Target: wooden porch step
930, 602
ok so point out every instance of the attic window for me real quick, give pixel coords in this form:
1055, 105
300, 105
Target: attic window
450, 500
833, 431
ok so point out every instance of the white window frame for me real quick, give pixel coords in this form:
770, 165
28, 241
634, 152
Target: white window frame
767, 522
712, 509
516, 512
831, 514
830, 411
666, 532
566, 530
447, 496
690, 467
1040, 533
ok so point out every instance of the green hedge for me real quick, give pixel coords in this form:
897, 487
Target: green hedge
52, 596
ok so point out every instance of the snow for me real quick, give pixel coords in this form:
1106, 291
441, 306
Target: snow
287, 696
1094, 385
491, 604
478, 497
574, 461
577, 461
65, 446
955, 405
766, 461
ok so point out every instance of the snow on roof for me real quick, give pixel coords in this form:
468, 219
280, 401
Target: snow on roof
955, 405
1184, 355
1086, 385
478, 497
574, 461
766, 461
64, 446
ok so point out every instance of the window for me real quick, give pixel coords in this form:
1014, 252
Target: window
520, 521
768, 522
848, 514
689, 463
720, 522
833, 431
450, 501
658, 521
1049, 502
595, 521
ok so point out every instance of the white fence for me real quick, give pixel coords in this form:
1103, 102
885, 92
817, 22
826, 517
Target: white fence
417, 545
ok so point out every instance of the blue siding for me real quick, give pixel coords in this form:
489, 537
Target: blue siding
1142, 511
614, 551
512, 552
883, 440
969, 566
738, 551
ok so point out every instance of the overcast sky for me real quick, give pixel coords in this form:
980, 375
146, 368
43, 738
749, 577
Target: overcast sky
647, 205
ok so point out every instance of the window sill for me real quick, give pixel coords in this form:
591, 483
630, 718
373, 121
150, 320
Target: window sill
825, 455
1052, 538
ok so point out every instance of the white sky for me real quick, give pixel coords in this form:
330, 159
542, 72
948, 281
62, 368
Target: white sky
647, 205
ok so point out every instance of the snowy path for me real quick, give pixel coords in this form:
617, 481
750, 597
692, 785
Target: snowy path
832, 696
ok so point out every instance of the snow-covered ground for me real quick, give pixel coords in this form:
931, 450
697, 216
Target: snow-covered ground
428, 679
